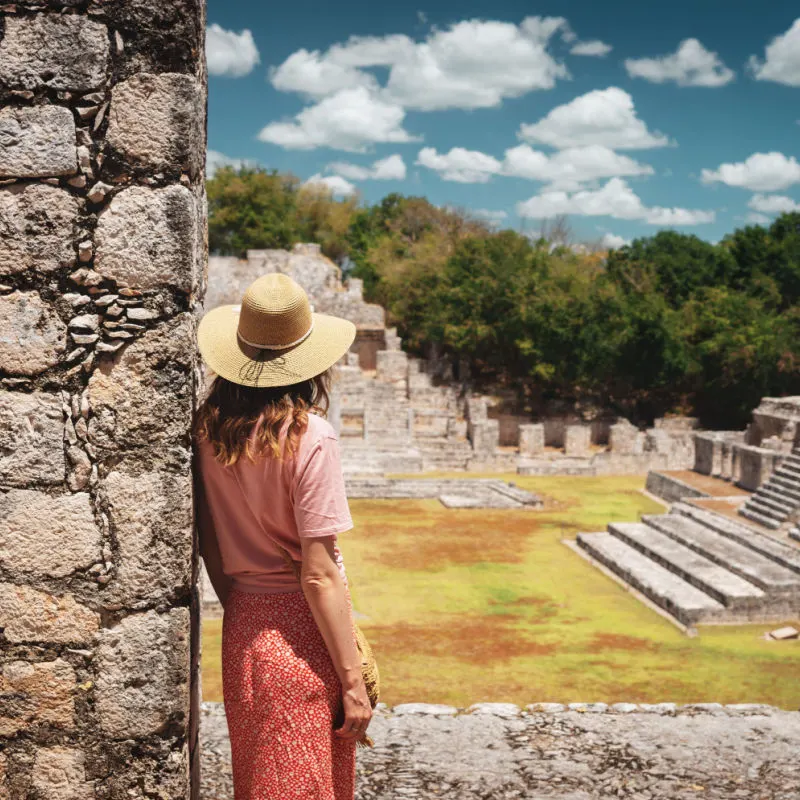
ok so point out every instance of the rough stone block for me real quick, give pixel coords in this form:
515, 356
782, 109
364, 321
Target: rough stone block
531, 439
47, 535
28, 615
31, 439
34, 693
149, 237
59, 51
577, 439
37, 224
145, 395
484, 436
155, 649
391, 366
32, 335
37, 142
157, 121
59, 773
624, 439
151, 515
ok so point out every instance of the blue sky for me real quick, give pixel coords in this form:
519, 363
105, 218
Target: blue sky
626, 116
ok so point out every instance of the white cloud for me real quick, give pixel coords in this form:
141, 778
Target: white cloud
230, 54
615, 199
311, 74
460, 165
337, 185
782, 61
761, 172
471, 64
601, 117
391, 168
690, 65
351, 120
613, 242
758, 218
593, 48
572, 167
492, 217
215, 160
773, 203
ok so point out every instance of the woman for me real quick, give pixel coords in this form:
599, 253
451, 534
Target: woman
268, 475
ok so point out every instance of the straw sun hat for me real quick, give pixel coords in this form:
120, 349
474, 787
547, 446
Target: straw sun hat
273, 338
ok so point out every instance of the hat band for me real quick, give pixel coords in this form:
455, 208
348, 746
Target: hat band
277, 346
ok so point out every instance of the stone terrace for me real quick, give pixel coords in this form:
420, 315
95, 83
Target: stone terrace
577, 752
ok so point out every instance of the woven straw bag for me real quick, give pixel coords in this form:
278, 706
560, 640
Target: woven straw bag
369, 666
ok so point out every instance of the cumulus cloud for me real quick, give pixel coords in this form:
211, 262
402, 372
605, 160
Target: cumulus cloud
615, 199
690, 65
758, 218
230, 54
773, 204
604, 117
611, 241
391, 168
761, 172
460, 165
215, 160
594, 48
471, 64
351, 120
492, 217
782, 59
337, 185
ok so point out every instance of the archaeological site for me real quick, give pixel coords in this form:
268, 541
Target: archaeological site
104, 273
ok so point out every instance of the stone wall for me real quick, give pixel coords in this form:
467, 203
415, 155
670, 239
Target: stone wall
102, 216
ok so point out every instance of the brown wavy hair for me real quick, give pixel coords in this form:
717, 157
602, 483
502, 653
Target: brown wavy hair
230, 412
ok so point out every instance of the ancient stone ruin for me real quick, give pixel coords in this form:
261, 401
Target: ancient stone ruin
102, 262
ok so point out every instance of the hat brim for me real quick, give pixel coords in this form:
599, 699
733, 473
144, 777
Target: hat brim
231, 358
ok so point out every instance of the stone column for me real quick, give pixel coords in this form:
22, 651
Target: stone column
577, 440
531, 439
102, 254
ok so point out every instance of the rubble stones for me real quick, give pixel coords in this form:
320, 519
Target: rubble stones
54, 50
143, 673
145, 395
51, 535
37, 224
36, 142
32, 335
28, 615
156, 121
36, 692
149, 237
31, 434
59, 773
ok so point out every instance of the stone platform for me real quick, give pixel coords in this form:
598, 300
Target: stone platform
451, 492
701, 567
577, 752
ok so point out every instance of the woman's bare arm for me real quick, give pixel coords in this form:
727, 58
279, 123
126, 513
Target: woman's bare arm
325, 591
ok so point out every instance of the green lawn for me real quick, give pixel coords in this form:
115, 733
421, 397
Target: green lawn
469, 605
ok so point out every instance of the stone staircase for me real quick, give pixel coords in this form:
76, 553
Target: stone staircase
701, 567
778, 499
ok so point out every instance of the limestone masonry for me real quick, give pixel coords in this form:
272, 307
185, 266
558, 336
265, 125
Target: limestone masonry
102, 274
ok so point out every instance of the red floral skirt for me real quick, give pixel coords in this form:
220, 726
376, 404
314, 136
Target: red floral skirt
282, 696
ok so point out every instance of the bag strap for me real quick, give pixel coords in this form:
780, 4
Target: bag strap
283, 551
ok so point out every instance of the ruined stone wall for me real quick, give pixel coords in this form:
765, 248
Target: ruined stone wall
102, 253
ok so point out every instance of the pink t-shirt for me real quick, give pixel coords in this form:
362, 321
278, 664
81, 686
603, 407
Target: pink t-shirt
247, 502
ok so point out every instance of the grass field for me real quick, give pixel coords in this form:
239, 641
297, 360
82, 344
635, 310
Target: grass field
470, 605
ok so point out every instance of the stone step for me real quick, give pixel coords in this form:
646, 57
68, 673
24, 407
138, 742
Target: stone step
755, 504
788, 471
781, 553
683, 601
721, 584
794, 533
761, 519
780, 493
754, 567
781, 483
780, 504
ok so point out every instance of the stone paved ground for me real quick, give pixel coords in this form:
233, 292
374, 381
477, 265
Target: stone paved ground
584, 752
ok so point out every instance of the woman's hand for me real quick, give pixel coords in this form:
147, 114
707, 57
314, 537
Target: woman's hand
357, 711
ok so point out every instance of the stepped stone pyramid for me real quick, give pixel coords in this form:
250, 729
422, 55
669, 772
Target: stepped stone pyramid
700, 566
778, 500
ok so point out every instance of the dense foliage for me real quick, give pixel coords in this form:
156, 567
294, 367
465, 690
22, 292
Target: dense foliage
667, 323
